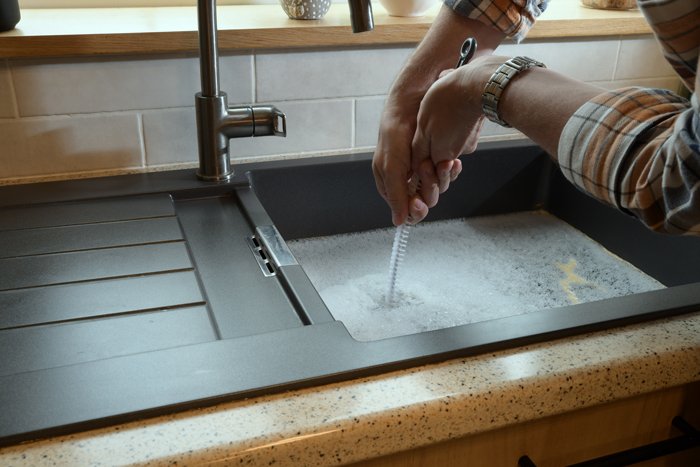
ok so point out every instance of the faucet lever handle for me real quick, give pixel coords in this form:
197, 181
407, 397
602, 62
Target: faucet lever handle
269, 120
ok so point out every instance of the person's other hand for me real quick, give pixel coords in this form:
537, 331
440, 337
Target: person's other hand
448, 125
392, 169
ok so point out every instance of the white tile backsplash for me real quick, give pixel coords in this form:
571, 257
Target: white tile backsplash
368, 117
311, 126
7, 106
236, 78
328, 73
171, 135
333, 100
642, 58
42, 146
50, 87
368, 113
491, 129
586, 60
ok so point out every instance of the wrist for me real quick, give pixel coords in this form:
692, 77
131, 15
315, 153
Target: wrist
499, 81
475, 76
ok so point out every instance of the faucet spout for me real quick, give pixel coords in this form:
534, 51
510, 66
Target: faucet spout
361, 15
217, 123
208, 47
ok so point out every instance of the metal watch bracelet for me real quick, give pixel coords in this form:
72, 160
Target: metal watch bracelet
498, 82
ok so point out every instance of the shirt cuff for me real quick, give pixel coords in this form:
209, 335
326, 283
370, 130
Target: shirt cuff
514, 18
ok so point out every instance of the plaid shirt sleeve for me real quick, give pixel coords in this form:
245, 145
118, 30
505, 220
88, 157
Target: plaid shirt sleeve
638, 149
512, 17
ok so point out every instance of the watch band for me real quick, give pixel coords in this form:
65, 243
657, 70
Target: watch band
498, 82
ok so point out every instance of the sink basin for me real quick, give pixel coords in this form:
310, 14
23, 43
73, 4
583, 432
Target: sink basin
133, 296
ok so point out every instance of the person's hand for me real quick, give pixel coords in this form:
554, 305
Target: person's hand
449, 121
448, 125
423, 136
391, 164
392, 160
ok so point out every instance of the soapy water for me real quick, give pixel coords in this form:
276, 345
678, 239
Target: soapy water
462, 271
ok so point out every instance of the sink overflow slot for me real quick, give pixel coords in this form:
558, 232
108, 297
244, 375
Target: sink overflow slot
260, 256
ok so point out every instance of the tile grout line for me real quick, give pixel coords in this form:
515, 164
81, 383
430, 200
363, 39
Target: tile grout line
13, 91
142, 138
617, 58
353, 124
253, 79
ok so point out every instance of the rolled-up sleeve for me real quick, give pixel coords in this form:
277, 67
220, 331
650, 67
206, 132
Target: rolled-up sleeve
638, 150
512, 17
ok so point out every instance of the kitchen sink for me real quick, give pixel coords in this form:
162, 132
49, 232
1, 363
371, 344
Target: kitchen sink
133, 296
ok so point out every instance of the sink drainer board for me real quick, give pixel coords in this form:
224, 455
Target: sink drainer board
128, 297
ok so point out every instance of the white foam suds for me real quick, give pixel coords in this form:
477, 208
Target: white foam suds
463, 271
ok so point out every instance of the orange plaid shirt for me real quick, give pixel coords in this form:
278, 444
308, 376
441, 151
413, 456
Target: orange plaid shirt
637, 149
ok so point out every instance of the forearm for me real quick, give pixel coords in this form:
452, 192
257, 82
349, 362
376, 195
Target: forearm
539, 102
633, 148
437, 52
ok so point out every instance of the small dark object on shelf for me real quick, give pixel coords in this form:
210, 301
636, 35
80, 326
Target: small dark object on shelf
9, 14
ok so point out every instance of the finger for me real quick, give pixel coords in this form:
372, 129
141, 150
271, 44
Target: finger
456, 170
444, 171
392, 186
379, 180
446, 72
430, 189
423, 166
417, 210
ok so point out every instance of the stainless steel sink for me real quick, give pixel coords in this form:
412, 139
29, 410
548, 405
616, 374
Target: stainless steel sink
127, 297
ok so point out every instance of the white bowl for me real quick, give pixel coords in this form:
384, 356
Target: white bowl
407, 7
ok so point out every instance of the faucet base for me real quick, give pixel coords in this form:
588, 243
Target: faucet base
215, 178
214, 161
217, 124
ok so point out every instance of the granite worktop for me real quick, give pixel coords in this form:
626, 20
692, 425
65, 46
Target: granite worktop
365, 418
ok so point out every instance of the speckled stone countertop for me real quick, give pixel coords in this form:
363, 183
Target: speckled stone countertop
366, 418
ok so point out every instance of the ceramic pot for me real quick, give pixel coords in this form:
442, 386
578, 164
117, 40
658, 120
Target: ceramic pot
305, 9
9, 14
407, 7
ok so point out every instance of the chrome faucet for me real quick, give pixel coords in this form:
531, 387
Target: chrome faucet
361, 15
217, 123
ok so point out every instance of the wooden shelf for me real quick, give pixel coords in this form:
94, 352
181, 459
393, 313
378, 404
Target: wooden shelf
116, 31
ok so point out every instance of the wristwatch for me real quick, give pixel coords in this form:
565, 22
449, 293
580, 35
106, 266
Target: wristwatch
498, 82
